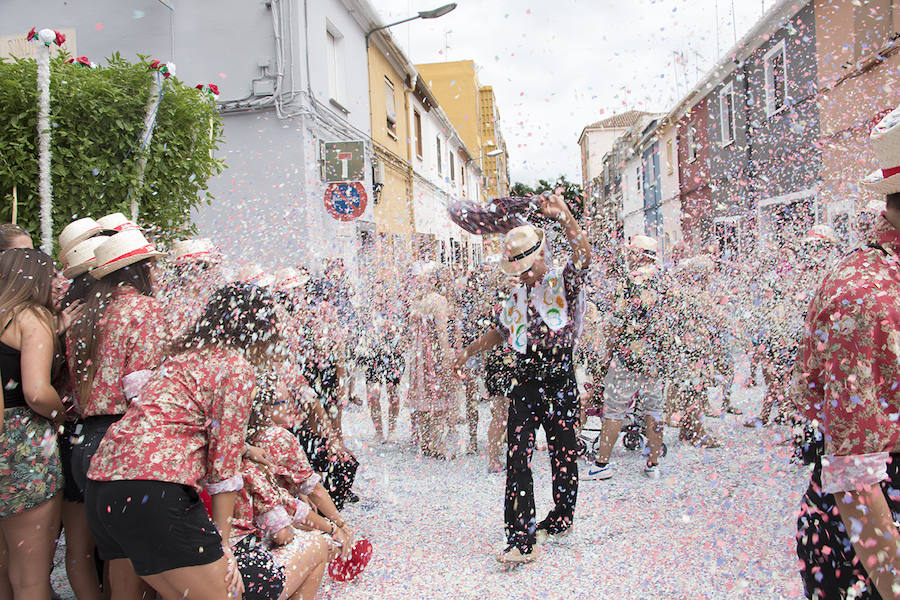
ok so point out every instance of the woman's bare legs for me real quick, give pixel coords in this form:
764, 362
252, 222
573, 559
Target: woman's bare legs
373, 398
31, 539
304, 567
204, 582
5, 587
393, 407
80, 567
125, 584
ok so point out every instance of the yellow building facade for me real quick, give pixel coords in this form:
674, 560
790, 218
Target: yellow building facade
388, 83
472, 109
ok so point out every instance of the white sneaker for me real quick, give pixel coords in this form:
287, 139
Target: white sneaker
651, 471
594, 473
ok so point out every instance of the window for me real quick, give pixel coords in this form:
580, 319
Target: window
390, 105
726, 113
691, 141
417, 122
639, 179
462, 172
776, 79
670, 156
439, 168
335, 66
452, 165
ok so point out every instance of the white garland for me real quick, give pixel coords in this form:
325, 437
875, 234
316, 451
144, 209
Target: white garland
45, 189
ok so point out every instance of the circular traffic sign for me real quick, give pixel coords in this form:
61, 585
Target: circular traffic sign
345, 201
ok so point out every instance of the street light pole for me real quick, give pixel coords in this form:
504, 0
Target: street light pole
423, 14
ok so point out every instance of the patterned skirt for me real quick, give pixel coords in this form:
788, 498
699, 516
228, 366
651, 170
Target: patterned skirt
30, 471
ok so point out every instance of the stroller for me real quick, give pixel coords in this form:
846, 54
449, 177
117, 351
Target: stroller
633, 430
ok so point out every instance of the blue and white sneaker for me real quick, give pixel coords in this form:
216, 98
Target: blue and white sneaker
594, 472
651, 471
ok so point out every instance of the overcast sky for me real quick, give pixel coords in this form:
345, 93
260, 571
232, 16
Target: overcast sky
558, 65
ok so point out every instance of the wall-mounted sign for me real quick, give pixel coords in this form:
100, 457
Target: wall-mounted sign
344, 161
345, 201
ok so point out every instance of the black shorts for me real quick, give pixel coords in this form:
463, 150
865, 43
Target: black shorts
263, 577
387, 367
72, 432
84, 447
157, 525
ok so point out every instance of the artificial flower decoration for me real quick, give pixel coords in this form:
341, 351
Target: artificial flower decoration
211, 89
47, 36
167, 69
83, 61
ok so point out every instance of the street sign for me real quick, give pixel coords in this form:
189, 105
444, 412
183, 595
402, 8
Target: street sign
345, 201
344, 161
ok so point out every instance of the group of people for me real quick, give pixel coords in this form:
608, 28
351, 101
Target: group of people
183, 426
163, 416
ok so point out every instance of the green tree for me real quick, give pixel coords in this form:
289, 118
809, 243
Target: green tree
572, 192
97, 116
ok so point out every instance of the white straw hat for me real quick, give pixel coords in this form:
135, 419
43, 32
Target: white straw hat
885, 140
117, 222
253, 273
821, 234
289, 278
699, 263
643, 243
195, 250
121, 250
80, 259
77, 231
521, 248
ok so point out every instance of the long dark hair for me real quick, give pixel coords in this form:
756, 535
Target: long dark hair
8, 233
86, 330
240, 315
26, 283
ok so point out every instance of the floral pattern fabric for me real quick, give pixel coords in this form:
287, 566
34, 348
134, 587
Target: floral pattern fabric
188, 426
640, 323
30, 471
134, 335
848, 365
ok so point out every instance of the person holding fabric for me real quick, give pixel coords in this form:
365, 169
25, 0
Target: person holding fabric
846, 375
541, 320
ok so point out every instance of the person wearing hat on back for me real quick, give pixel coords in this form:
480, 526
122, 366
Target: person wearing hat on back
541, 321
637, 339
112, 350
846, 377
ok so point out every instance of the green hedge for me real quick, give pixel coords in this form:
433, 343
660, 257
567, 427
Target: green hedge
97, 116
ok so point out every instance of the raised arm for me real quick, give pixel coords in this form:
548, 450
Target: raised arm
555, 207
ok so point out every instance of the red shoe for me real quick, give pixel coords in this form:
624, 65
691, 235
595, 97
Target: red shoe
347, 570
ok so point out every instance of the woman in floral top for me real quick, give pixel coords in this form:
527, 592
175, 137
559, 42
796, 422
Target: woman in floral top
184, 434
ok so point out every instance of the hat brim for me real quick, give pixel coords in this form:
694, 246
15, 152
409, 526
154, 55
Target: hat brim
76, 270
101, 272
875, 182
517, 267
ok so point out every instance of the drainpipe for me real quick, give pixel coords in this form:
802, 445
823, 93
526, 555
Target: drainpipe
409, 152
746, 76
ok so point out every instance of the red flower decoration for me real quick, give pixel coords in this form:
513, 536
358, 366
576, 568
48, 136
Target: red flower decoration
154, 65
214, 89
199, 86
60, 39
32, 34
83, 60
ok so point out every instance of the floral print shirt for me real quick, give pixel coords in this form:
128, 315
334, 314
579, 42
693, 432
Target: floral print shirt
188, 425
848, 366
269, 500
134, 335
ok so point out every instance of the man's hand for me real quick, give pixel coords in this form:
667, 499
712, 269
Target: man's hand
68, 315
553, 206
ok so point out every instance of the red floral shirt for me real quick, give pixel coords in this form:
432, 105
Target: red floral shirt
269, 499
134, 335
848, 367
188, 425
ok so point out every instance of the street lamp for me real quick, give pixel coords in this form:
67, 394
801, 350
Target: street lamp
490, 154
423, 14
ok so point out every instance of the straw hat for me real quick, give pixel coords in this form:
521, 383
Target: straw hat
121, 250
821, 234
195, 250
643, 243
253, 273
521, 248
699, 263
289, 278
116, 222
885, 140
77, 231
80, 259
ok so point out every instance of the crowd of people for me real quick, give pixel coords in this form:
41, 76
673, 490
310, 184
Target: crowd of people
180, 419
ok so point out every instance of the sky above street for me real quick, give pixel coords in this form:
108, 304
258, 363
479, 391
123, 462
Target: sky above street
558, 65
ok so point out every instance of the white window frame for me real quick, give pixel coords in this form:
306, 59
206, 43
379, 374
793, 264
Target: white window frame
440, 170
391, 116
334, 57
451, 163
692, 141
726, 94
771, 109
417, 126
670, 156
639, 174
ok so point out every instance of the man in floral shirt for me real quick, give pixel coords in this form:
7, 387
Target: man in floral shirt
848, 382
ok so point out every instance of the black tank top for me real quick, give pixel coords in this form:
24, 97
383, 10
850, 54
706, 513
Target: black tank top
11, 374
